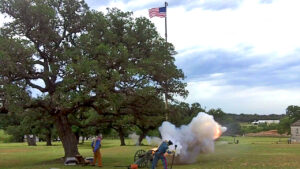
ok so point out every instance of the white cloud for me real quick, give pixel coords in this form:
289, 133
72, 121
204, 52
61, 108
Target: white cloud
129, 6
269, 28
1, 20
4, 19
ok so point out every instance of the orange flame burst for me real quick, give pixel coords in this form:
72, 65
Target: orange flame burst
154, 149
217, 132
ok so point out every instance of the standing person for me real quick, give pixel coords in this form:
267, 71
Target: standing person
96, 145
159, 154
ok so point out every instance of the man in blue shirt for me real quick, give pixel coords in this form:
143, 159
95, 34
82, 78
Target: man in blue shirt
96, 145
159, 154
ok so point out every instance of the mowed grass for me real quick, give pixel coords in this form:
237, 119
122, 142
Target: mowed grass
250, 153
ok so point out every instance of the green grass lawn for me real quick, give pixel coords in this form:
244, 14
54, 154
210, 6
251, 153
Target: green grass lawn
252, 152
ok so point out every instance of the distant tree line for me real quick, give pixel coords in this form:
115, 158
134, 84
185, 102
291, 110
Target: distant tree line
254, 117
144, 123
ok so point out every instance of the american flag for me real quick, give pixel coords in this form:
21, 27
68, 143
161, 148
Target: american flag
159, 12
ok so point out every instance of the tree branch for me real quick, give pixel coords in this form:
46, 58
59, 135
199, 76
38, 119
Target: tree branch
36, 86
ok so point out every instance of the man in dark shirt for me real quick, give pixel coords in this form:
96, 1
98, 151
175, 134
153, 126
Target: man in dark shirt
159, 154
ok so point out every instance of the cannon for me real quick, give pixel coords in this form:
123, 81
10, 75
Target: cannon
143, 159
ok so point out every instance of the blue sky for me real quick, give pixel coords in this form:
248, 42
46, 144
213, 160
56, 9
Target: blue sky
242, 56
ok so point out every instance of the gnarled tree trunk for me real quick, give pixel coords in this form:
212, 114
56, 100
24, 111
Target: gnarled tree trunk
82, 139
122, 136
48, 138
66, 135
77, 135
141, 137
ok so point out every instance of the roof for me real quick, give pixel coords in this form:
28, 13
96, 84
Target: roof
297, 123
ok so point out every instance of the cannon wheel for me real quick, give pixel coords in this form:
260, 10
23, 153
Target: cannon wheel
141, 154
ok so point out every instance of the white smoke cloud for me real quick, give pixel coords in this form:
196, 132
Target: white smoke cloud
192, 139
154, 141
134, 137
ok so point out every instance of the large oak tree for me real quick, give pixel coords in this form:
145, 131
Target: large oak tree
77, 58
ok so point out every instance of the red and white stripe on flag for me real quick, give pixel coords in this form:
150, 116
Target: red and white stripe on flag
156, 12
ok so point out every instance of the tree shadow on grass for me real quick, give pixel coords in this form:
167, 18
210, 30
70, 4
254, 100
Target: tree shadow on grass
53, 161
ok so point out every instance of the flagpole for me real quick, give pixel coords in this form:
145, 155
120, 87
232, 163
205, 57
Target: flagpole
166, 37
166, 34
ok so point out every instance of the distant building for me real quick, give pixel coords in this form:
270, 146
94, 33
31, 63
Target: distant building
265, 122
295, 131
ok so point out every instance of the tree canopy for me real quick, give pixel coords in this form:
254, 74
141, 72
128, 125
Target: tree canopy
59, 56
